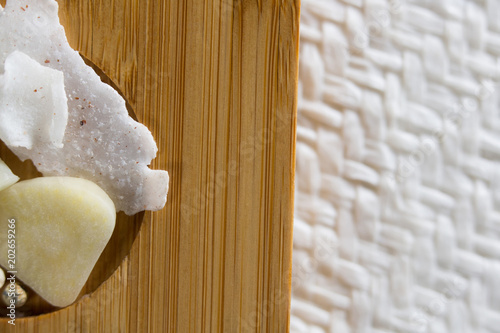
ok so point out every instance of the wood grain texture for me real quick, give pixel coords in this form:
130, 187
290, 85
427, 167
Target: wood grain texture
215, 82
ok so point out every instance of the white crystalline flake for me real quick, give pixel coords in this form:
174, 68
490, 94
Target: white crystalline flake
101, 142
33, 104
7, 178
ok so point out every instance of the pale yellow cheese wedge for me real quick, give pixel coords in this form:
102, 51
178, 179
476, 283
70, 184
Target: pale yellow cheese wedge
62, 225
7, 178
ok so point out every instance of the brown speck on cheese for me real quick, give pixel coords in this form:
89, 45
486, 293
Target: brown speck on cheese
47, 61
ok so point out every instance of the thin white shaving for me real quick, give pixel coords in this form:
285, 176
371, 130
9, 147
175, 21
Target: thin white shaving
101, 143
33, 104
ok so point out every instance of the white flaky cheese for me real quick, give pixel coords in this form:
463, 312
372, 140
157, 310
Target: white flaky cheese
33, 103
101, 142
7, 178
58, 228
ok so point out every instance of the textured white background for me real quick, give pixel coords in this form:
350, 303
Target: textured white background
397, 217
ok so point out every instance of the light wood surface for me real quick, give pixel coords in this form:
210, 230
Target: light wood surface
215, 82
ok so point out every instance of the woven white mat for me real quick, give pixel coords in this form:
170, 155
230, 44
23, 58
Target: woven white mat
397, 207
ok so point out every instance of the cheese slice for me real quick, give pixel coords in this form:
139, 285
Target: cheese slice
62, 225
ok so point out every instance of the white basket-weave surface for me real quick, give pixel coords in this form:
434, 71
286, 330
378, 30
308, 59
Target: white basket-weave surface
397, 206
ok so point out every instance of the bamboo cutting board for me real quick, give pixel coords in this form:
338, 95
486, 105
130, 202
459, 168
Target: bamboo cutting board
215, 82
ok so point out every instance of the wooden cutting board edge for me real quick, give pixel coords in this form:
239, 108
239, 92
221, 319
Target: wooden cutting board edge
217, 258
